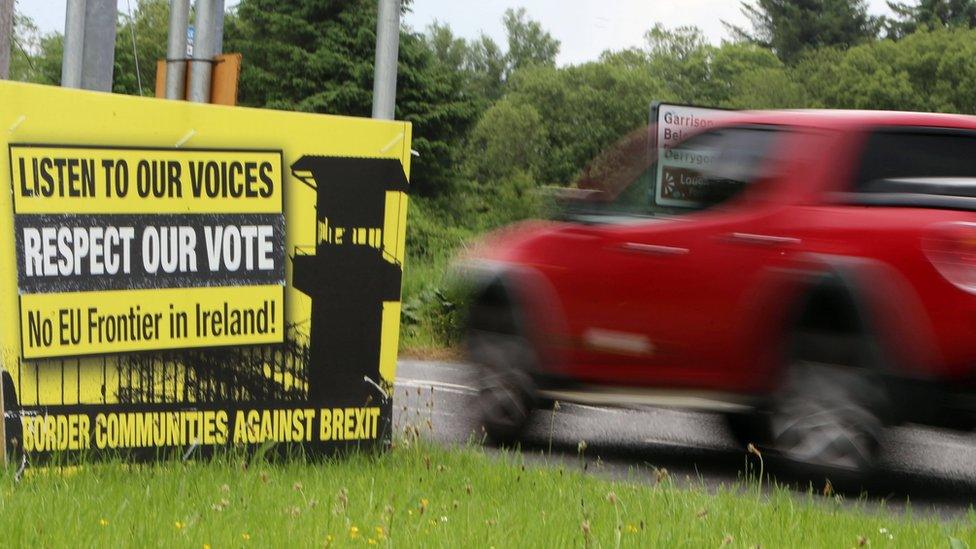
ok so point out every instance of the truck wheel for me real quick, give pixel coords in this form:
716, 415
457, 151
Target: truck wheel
506, 394
827, 416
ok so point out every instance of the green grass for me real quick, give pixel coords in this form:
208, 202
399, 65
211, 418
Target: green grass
422, 495
430, 318
432, 303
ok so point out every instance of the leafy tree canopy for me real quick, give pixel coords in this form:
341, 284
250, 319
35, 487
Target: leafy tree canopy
485, 66
930, 13
25, 43
317, 56
788, 27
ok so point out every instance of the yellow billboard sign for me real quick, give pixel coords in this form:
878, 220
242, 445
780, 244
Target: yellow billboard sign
181, 274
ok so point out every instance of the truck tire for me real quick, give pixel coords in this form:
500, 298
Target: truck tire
506, 391
828, 416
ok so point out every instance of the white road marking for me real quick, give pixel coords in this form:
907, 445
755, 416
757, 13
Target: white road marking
441, 385
611, 396
593, 408
468, 390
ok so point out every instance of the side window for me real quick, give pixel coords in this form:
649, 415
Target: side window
915, 153
714, 166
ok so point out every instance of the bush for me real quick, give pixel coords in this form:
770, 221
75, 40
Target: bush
437, 231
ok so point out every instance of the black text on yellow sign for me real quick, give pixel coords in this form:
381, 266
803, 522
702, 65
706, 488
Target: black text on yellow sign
64, 179
145, 429
82, 323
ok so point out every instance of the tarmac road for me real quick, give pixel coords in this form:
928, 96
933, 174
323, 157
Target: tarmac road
935, 469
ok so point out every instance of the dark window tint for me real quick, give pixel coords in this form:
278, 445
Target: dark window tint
906, 154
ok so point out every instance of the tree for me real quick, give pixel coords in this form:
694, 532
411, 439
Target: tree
528, 43
583, 107
47, 59
451, 51
925, 71
789, 27
480, 63
510, 139
486, 67
41, 62
317, 56
930, 13
681, 59
26, 41
693, 71
149, 25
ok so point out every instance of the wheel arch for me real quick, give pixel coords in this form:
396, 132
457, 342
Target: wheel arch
881, 305
853, 295
517, 300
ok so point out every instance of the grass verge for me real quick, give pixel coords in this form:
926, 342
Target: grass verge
423, 495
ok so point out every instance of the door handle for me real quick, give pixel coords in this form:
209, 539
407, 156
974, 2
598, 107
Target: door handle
652, 249
769, 240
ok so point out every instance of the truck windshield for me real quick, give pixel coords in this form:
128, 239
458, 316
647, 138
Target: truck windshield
702, 172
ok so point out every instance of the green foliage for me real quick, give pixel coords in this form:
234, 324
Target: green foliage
930, 13
584, 108
484, 67
926, 71
26, 39
449, 50
510, 138
767, 88
40, 57
34, 57
789, 27
47, 62
317, 56
148, 25
528, 43
696, 72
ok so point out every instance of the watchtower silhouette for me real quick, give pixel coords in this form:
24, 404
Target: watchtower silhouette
350, 275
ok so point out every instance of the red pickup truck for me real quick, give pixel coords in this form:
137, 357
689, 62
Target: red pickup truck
817, 284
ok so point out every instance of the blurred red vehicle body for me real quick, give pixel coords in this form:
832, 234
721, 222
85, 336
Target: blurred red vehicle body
836, 254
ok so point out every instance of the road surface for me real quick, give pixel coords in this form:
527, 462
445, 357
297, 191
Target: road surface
935, 469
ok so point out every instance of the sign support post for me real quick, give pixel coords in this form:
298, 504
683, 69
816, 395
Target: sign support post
387, 52
6, 36
179, 13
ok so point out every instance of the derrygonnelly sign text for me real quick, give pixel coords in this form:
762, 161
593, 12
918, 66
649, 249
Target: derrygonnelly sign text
125, 249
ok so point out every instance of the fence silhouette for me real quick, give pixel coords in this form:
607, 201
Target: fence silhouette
276, 372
